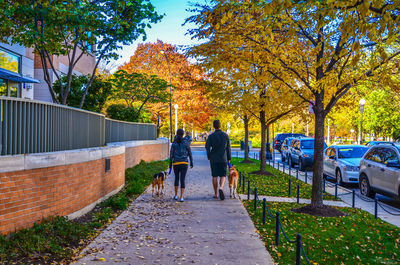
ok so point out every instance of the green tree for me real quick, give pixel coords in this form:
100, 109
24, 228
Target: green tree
100, 90
75, 29
139, 88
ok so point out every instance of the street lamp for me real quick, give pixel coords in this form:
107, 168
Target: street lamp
362, 103
170, 95
176, 117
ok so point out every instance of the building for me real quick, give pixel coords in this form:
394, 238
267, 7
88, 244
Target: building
17, 71
21, 72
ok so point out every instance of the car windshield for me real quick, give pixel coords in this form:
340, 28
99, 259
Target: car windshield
352, 152
307, 144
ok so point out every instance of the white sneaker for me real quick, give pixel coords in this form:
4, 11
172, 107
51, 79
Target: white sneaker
175, 198
181, 200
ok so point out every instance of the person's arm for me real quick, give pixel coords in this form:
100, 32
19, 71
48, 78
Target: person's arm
171, 155
190, 155
228, 149
208, 148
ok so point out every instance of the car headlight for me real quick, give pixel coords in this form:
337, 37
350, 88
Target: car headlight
351, 168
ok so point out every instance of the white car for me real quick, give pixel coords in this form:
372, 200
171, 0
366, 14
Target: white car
342, 162
380, 171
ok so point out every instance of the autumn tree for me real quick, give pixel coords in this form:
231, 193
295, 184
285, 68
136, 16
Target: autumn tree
75, 29
317, 49
187, 80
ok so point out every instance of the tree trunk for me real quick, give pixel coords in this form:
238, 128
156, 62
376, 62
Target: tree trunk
262, 152
268, 147
158, 126
246, 137
317, 186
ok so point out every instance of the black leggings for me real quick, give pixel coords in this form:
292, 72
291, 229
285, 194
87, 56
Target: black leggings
180, 173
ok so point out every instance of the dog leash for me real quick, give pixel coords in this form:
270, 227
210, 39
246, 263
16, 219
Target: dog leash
170, 169
229, 165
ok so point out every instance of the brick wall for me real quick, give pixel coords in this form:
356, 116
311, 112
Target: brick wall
31, 192
149, 152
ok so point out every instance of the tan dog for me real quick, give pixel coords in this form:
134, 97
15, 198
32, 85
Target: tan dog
158, 183
233, 179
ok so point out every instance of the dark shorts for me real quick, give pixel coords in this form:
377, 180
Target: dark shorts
218, 169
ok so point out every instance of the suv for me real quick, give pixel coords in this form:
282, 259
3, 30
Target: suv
380, 171
285, 148
280, 137
301, 152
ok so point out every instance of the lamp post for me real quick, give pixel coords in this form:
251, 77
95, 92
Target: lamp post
362, 103
170, 95
176, 117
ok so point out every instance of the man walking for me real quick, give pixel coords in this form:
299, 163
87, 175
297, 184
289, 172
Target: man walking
219, 153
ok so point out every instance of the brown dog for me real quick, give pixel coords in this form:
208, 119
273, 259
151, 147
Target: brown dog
233, 179
158, 183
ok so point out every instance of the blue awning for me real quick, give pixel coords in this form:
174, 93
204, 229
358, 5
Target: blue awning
16, 77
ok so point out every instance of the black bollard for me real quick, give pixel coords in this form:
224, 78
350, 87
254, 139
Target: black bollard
297, 173
255, 198
354, 199
290, 170
243, 183
324, 184
290, 187
376, 208
277, 228
298, 193
336, 190
273, 163
240, 178
283, 168
278, 165
248, 190
264, 210
298, 249
306, 177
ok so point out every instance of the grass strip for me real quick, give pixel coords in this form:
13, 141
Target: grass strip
276, 185
57, 239
357, 238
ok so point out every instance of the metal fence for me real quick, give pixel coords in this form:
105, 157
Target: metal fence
28, 126
117, 131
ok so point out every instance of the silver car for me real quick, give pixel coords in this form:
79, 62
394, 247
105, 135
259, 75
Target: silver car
342, 162
380, 171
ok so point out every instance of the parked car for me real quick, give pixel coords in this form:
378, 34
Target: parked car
372, 143
280, 137
380, 171
285, 147
301, 152
342, 162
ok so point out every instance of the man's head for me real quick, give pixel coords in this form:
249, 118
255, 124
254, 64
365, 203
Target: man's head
187, 133
217, 124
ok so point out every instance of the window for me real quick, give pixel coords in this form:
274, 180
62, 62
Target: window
9, 88
9, 61
307, 144
375, 155
389, 155
3, 88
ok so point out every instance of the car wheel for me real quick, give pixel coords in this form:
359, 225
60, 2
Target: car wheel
339, 179
290, 161
301, 165
365, 188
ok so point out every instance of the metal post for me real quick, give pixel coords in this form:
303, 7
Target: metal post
298, 249
278, 165
255, 198
336, 190
306, 178
354, 199
248, 190
264, 210
273, 163
240, 178
298, 193
324, 184
290, 187
277, 228
243, 183
376, 208
297, 173
290, 170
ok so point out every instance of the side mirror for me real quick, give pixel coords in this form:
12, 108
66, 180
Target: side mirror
393, 164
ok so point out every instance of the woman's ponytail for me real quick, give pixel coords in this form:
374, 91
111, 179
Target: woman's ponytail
179, 135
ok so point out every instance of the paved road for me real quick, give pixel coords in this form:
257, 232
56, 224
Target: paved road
200, 230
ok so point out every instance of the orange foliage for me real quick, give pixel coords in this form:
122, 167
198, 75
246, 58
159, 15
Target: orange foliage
187, 79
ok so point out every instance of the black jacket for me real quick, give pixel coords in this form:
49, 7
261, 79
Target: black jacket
218, 147
180, 152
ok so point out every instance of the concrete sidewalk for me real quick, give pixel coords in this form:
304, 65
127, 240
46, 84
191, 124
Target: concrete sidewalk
201, 230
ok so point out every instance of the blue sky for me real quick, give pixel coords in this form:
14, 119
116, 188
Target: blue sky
169, 30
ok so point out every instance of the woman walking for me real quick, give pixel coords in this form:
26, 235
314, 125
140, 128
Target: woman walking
180, 152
